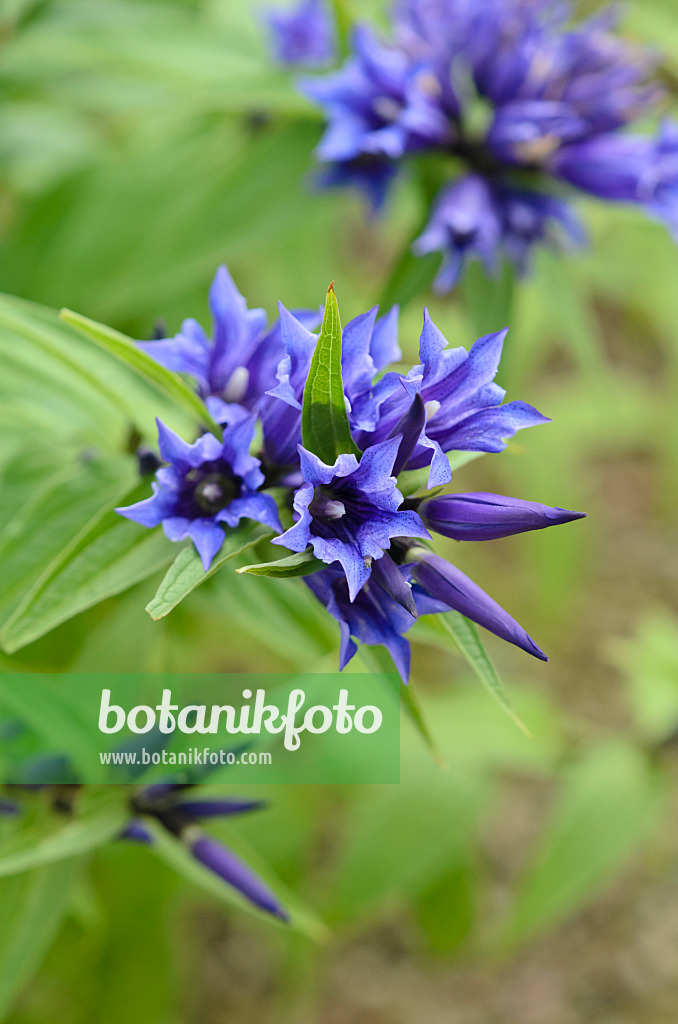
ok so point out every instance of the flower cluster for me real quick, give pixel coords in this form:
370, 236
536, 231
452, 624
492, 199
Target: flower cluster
350, 515
520, 102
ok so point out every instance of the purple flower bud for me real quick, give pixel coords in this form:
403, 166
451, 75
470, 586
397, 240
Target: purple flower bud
137, 833
224, 863
448, 586
481, 516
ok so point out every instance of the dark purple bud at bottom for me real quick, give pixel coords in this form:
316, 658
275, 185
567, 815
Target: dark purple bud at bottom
231, 869
9, 808
447, 584
483, 516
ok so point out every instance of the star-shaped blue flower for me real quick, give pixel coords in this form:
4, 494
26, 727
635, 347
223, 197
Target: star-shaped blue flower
462, 402
206, 486
236, 366
348, 512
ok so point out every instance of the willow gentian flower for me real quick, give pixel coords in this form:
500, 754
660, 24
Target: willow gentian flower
348, 512
207, 486
373, 618
526, 103
462, 402
303, 35
233, 369
166, 804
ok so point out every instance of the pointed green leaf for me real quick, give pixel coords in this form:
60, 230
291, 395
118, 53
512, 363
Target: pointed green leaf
303, 564
325, 429
109, 555
467, 639
104, 820
126, 350
187, 572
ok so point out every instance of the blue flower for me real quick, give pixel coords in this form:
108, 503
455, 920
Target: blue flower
348, 512
478, 219
303, 35
373, 618
463, 405
633, 169
234, 368
521, 99
206, 486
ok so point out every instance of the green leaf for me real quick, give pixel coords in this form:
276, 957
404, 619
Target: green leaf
303, 564
178, 857
99, 824
187, 572
325, 429
57, 505
609, 801
446, 911
415, 480
107, 557
125, 349
31, 920
489, 300
49, 713
467, 639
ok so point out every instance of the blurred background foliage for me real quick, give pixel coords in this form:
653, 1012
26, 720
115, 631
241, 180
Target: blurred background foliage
142, 142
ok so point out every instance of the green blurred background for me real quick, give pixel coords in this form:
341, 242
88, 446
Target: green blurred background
144, 142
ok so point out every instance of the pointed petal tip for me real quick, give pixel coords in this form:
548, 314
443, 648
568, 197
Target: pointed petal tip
532, 648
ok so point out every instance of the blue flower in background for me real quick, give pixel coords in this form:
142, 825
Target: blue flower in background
206, 486
348, 512
304, 35
166, 804
528, 103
